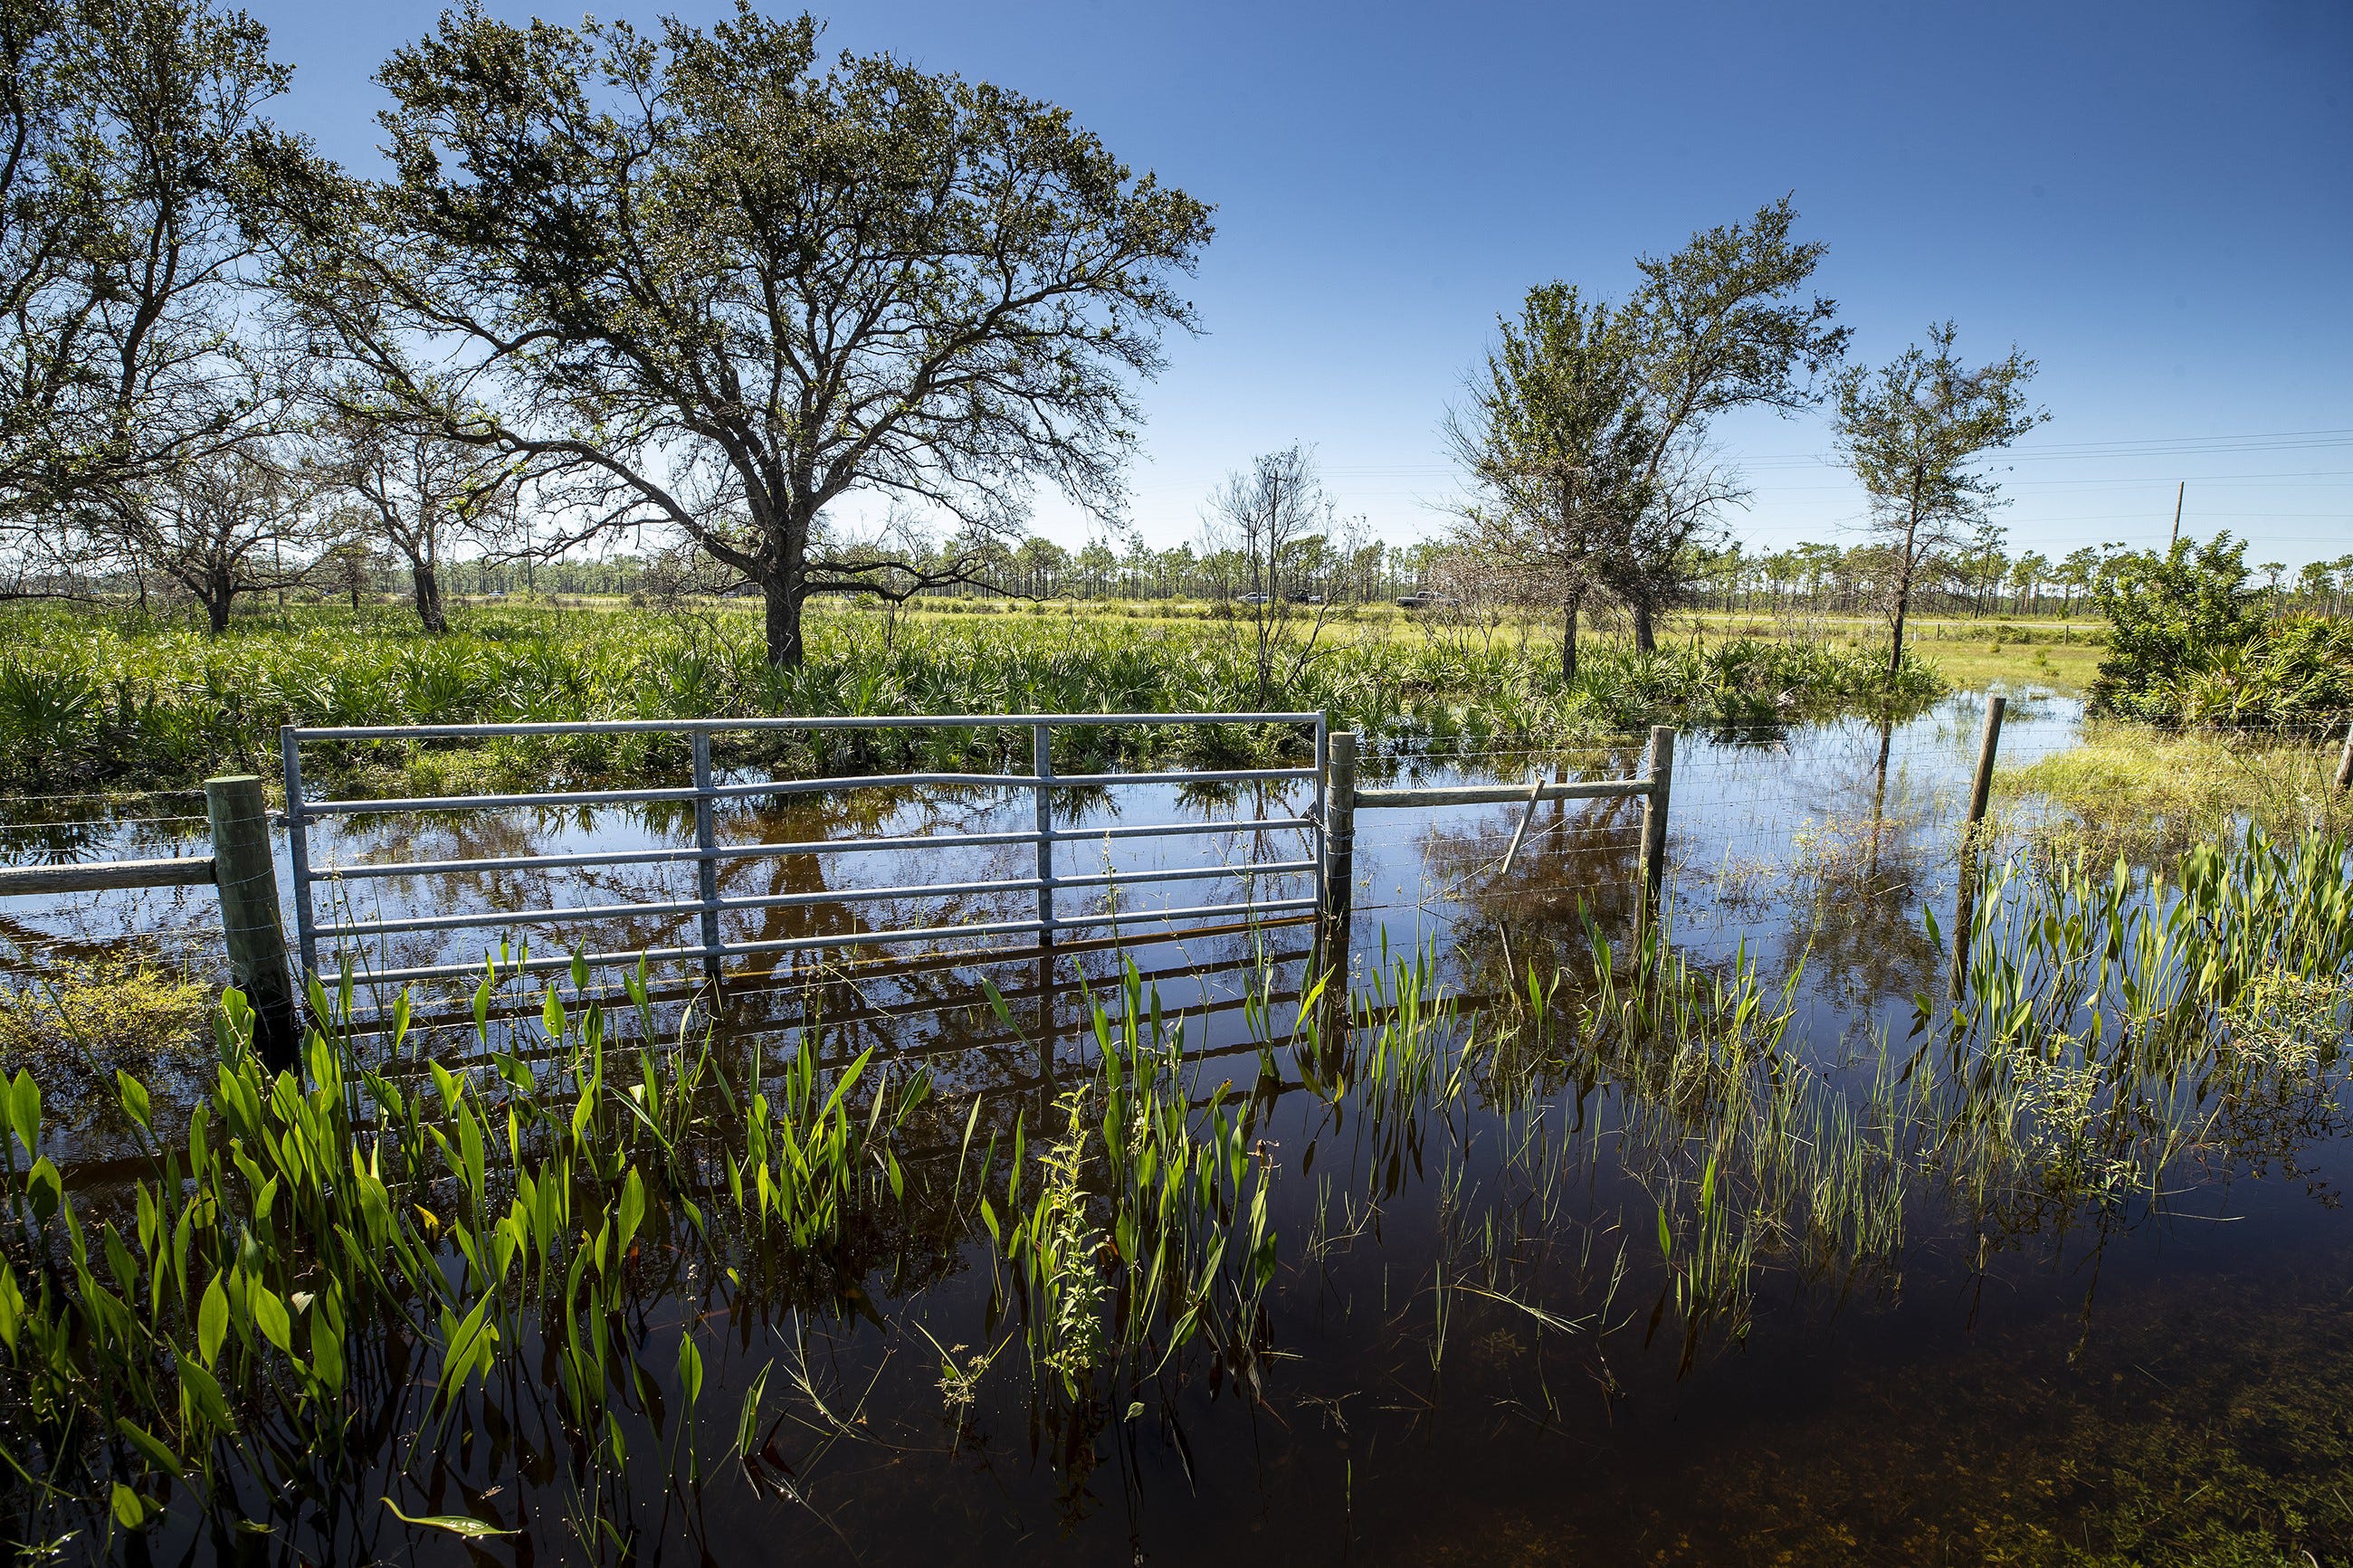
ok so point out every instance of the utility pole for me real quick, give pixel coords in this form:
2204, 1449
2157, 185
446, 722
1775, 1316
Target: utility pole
2179, 491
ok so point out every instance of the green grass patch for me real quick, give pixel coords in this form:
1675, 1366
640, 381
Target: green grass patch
2141, 793
89, 701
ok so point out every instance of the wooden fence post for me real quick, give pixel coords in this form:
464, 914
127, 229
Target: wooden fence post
1964, 893
1661, 772
1989, 743
247, 874
1340, 826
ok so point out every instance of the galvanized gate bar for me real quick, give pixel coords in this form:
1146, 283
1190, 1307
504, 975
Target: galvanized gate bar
705, 791
493, 802
1188, 874
827, 722
297, 853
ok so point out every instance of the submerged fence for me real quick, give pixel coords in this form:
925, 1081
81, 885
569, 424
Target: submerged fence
708, 792
1735, 795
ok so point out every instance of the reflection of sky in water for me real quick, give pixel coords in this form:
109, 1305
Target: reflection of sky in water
1770, 846
1868, 1401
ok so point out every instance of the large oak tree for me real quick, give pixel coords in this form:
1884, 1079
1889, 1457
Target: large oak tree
730, 284
130, 342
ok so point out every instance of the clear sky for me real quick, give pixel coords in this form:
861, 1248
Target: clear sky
2153, 199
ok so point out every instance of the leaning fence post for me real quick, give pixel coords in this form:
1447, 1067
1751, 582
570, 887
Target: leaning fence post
706, 860
2345, 763
1965, 894
1988, 741
247, 874
1661, 776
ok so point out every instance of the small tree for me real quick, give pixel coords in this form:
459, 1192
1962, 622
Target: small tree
237, 521
1723, 323
2075, 573
732, 287
420, 492
1586, 436
1911, 432
1259, 517
1556, 440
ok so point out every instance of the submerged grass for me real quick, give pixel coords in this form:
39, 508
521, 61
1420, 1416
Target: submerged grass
2146, 794
347, 1273
76, 1023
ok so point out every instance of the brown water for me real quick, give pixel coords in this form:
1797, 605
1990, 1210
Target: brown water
1470, 1350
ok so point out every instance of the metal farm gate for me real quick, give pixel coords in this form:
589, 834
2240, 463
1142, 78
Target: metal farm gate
1050, 883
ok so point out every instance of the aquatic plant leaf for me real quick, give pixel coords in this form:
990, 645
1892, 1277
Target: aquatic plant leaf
270, 1316
212, 1321
133, 1095
24, 1110
462, 1524
633, 1210
131, 1510
45, 1188
149, 1446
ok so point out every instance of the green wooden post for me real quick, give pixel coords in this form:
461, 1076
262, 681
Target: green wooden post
246, 872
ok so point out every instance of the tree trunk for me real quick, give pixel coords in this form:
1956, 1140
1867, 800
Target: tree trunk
216, 598
1896, 641
1646, 639
428, 599
783, 624
1905, 565
1568, 639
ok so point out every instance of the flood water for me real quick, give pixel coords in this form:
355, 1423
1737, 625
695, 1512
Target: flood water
1476, 1344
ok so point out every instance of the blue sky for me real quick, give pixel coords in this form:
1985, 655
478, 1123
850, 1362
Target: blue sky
2151, 199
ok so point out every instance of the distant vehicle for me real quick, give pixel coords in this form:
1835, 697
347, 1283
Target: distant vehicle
1252, 599
1424, 601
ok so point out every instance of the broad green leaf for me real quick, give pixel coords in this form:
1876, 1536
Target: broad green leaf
134, 1097
269, 1314
633, 1210
204, 1395
44, 1188
455, 1523
131, 1510
212, 1322
149, 1445
24, 1110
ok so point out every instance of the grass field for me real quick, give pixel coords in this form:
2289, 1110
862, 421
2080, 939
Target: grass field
113, 700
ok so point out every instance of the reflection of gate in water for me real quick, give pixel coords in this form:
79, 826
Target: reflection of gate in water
1053, 885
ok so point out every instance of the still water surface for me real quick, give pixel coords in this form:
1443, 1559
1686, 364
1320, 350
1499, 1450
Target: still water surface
1470, 1350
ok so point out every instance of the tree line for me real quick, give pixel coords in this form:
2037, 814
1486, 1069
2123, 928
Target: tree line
668, 310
